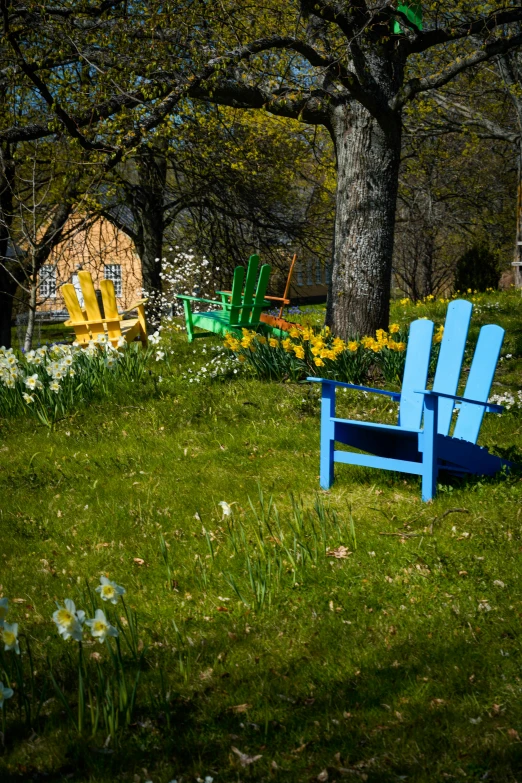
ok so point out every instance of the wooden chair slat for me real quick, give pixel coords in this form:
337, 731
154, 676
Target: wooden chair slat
451, 354
415, 374
479, 382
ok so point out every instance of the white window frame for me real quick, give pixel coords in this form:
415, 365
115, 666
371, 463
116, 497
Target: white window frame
114, 272
47, 288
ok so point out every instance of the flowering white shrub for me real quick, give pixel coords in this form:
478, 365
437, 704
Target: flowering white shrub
51, 380
508, 399
181, 273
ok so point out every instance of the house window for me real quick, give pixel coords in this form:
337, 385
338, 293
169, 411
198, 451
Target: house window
318, 273
48, 282
113, 272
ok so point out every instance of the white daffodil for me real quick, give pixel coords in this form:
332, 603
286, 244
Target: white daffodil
109, 591
121, 342
33, 382
160, 355
29, 356
69, 621
100, 626
54, 386
9, 636
227, 510
4, 608
28, 398
5, 693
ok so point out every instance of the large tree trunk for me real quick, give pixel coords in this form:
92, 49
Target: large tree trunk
6, 314
31, 314
368, 159
149, 212
517, 260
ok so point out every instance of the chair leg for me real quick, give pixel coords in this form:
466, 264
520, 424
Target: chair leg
326, 471
188, 321
143, 326
429, 456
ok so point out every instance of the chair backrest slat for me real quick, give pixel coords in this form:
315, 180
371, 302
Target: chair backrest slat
236, 296
91, 303
110, 307
479, 382
415, 374
262, 285
450, 359
70, 297
248, 293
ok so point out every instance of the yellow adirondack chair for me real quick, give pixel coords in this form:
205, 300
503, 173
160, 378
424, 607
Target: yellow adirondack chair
88, 323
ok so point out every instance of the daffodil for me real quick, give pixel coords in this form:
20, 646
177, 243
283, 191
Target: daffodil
100, 626
318, 362
28, 398
33, 382
69, 621
394, 328
273, 343
5, 693
109, 591
4, 608
352, 346
54, 386
227, 511
9, 636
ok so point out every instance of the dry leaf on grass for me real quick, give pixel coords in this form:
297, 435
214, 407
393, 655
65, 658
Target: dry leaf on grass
244, 758
340, 553
240, 707
139, 561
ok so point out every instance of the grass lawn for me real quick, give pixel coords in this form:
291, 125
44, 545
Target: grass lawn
262, 655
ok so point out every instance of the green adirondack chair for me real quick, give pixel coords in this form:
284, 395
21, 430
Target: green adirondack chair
413, 11
241, 309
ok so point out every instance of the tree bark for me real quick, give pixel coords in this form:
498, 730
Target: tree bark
517, 259
149, 215
31, 314
368, 158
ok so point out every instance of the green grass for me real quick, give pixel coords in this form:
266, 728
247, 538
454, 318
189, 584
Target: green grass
400, 661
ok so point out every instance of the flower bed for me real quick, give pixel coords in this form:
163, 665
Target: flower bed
311, 352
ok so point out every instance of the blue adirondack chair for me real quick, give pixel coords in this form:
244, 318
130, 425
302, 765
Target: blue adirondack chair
406, 446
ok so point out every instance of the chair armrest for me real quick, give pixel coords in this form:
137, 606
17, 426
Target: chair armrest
197, 299
489, 406
396, 396
133, 306
278, 299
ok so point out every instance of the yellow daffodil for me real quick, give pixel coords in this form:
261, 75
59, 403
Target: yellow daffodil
273, 343
100, 626
394, 328
352, 346
9, 636
69, 621
299, 351
109, 591
318, 362
294, 332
